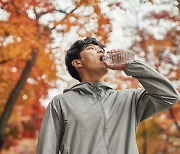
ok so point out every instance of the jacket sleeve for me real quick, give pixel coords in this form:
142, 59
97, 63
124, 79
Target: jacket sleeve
51, 131
158, 93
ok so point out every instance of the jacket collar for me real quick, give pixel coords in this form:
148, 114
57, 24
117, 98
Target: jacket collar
91, 89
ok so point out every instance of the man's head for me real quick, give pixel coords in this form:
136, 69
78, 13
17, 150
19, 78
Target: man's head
84, 55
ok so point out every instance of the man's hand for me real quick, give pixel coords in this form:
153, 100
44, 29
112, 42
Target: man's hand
115, 66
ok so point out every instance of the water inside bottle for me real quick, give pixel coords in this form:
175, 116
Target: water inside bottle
119, 58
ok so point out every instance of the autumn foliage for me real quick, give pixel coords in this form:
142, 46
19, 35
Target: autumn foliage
30, 62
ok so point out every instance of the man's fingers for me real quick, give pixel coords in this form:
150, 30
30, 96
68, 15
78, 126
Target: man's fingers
115, 66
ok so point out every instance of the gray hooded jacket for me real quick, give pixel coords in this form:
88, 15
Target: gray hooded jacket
92, 118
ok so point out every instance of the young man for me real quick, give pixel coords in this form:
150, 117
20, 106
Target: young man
92, 118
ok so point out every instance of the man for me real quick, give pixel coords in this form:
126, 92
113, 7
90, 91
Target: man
92, 118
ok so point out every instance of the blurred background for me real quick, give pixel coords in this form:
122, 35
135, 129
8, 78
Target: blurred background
34, 37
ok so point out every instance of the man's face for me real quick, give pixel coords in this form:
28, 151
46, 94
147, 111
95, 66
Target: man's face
90, 58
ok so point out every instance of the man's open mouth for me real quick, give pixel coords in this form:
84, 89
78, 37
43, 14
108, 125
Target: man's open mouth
102, 58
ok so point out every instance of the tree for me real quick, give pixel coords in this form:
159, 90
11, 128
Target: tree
161, 51
30, 34
27, 59
164, 52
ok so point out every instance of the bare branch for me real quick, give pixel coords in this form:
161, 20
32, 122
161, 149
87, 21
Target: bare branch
66, 15
62, 11
5, 61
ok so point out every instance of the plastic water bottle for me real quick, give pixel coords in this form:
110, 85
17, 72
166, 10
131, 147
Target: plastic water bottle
122, 57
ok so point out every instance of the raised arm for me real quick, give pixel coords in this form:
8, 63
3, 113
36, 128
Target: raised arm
52, 129
158, 93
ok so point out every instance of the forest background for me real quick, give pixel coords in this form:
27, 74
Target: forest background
34, 37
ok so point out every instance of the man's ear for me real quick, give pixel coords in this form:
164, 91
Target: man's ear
77, 63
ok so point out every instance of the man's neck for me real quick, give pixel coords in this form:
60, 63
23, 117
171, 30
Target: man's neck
91, 78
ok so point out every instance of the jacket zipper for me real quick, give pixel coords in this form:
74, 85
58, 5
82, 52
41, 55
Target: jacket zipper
103, 115
104, 129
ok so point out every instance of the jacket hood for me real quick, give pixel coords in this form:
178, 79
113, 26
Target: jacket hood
90, 88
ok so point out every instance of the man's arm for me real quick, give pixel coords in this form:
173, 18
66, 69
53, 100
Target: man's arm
51, 131
158, 93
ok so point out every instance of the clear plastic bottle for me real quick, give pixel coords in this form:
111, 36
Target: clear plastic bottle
122, 57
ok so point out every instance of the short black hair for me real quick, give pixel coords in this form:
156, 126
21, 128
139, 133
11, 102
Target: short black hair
74, 53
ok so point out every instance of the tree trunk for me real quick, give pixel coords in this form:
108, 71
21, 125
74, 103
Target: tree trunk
13, 97
145, 138
175, 120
